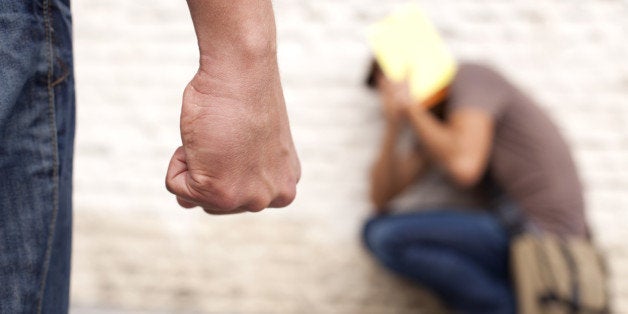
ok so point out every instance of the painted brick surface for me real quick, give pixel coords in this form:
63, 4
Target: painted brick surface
136, 250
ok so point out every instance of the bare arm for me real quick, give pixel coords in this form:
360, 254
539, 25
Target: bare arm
392, 172
461, 144
237, 152
233, 31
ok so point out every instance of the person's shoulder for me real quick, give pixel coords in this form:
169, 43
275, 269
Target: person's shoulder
467, 68
479, 74
480, 86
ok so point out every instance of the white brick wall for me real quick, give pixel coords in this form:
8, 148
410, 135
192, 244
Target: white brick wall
136, 250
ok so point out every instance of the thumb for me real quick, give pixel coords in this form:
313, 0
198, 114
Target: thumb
176, 178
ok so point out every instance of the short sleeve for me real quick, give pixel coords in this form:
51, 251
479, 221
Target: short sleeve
478, 86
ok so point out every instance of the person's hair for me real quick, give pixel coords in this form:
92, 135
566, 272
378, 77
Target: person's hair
440, 109
374, 71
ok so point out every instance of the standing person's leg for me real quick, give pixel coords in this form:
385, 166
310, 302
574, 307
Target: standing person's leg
462, 256
36, 145
56, 292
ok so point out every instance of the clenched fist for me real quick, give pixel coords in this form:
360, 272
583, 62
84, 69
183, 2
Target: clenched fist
237, 152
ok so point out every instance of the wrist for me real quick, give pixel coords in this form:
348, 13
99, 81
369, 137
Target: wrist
416, 113
248, 46
234, 30
238, 58
413, 109
246, 62
393, 126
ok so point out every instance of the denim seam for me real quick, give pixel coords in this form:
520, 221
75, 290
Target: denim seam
65, 72
47, 15
64, 75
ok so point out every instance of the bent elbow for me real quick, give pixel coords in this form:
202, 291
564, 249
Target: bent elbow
378, 197
465, 172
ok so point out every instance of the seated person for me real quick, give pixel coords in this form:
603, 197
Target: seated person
485, 134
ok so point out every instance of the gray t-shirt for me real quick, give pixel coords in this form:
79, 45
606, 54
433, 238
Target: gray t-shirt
529, 158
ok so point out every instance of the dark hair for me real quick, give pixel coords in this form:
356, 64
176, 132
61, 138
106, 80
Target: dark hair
374, 71
440, 109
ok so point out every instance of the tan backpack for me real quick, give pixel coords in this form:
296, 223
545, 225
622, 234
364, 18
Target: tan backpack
558, 276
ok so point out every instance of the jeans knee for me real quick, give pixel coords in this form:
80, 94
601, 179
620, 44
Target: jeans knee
378, 236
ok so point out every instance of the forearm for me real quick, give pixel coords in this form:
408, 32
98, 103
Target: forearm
384, 171
461, 146
233, 29
393, 171
436, 138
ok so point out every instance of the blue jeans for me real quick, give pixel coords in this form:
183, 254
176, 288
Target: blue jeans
36, 147
460, 255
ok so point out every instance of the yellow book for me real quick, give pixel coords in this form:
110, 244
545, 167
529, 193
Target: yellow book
407, 46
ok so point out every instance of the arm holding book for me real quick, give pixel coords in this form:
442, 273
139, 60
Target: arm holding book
461, 145
393, 170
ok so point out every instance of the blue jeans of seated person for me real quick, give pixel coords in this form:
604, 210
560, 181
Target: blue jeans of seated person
460, 255
36, 146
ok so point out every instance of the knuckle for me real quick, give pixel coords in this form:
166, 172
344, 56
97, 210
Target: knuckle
286, 197
297, 175
213, 211
259, 204
224, 200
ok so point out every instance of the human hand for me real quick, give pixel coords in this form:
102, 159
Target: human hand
396, 99
237, 152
